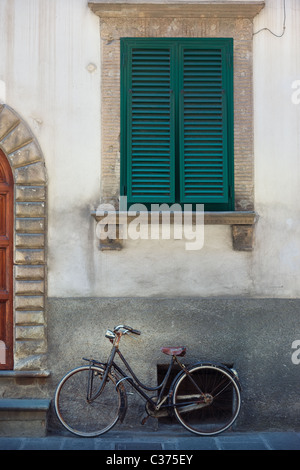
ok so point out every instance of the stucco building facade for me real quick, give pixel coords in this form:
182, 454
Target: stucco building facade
235, 298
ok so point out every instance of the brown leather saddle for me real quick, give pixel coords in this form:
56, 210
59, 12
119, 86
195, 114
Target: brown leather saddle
178, 351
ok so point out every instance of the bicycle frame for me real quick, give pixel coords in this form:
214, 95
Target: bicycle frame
139, 386
132, 380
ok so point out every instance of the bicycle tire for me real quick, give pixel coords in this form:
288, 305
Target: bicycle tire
76, 414
222, 394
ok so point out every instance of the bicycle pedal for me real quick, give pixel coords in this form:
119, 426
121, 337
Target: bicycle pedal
144, 420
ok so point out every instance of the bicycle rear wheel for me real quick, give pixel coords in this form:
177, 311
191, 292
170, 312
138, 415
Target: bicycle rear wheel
77, 414
212, 411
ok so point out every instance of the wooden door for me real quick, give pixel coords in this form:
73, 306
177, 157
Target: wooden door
6, 264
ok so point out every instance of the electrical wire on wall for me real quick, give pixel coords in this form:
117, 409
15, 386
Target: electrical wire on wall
283, 26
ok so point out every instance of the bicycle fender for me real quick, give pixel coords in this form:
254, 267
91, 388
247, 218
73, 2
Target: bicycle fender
124, 404
232, 372
229, 369
118, 384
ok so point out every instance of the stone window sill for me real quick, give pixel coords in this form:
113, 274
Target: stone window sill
242, 225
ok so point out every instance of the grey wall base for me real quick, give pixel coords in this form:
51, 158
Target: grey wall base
255, 334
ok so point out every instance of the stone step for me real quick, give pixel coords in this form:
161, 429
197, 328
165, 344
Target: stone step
23, 417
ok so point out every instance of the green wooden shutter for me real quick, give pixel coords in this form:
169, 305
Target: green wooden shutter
177, 121
203, 124
150, 124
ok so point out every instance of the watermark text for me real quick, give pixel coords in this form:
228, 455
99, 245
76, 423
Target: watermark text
161, 222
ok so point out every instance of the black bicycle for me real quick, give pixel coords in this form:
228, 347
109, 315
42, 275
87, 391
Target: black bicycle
91, 399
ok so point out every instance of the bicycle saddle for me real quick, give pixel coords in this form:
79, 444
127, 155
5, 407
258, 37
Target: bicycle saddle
179, 351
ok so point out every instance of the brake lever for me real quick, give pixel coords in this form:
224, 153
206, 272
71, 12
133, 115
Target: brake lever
131, 335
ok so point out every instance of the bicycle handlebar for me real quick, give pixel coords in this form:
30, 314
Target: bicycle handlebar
123, 329
128, 328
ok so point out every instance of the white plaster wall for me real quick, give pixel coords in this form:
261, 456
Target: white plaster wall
276, 258
50, 74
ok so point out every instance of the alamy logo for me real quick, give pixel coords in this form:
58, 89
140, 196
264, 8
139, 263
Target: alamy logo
296, 93
160, 222
2, 352
296, 353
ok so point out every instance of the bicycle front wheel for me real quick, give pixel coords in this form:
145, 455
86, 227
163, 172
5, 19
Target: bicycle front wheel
206, 400
78, 414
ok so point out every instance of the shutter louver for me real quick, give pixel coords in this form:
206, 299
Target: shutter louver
151, 130
203, 131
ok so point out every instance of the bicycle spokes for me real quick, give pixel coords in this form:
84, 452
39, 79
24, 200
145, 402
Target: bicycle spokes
212, 411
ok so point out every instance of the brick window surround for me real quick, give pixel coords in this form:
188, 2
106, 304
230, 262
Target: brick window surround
181, 19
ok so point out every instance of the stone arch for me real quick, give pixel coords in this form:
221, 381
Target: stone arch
30, 221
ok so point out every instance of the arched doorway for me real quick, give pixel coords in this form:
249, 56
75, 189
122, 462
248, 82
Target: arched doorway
6, 263
23, 234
